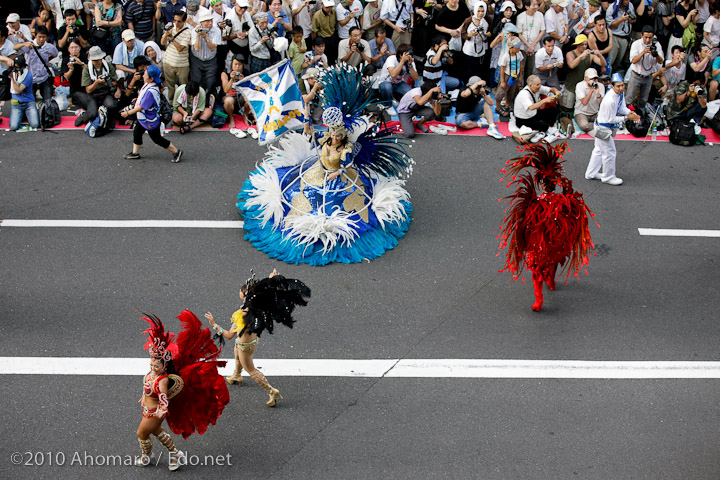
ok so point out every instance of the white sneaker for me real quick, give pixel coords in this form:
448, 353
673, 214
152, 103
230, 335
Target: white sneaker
495, 133
238, 133
552, 131
550, 138
438, 129
577, 133
537, 137
614, 181
483, 122
391, 111
597, 176
449, 128
253, 133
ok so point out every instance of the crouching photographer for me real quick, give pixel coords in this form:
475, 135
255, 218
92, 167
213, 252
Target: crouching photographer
473, 101
414, 103
99, 81
23, 98
686, 102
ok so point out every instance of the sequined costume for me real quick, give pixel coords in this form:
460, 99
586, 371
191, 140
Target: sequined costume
543, 229
295, 212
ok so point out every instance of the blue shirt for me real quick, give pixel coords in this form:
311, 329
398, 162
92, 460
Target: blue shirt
374, 51
169, 10
149, 100
26, 95
283, 18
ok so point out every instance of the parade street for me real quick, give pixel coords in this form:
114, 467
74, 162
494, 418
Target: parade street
425, 363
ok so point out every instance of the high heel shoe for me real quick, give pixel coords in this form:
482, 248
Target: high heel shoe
274, 393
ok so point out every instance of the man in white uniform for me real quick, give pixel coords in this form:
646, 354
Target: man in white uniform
613, 111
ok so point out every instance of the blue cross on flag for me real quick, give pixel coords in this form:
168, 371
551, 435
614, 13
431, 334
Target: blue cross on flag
275, 97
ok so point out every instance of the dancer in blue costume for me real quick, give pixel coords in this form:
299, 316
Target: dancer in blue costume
344, 203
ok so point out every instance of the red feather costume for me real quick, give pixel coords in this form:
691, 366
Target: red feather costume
194, 358
543, 229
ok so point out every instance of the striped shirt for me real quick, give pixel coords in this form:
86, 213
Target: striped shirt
142, 16
205, 53
174, 58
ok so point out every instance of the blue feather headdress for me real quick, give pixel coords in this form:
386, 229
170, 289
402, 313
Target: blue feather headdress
344, 88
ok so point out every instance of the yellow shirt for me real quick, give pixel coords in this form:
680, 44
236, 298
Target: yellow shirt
238, 318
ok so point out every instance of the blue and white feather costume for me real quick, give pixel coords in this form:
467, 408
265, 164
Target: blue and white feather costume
294, 213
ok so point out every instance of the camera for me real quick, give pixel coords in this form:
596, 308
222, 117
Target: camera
592, 52
360, 47
71, 60
245, 27
440, 95
406, 25
168, 27
272, 32
699, 91
237, 74
653, 49
631, 15
593, 84
201, 30
449, 54
104, 76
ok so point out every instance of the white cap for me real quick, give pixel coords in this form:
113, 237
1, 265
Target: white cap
128, 35
559, 3
13, 17
205, 15
328, 3
591, 73
242, 3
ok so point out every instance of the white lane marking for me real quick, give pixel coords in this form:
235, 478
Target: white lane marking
123, 223
376, 368
675, 232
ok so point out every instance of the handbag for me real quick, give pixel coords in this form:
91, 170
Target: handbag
603, 133
99, 34
688, 37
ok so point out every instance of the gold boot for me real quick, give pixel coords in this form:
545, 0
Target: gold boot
176, 457
260, 379
146, 449
236, 377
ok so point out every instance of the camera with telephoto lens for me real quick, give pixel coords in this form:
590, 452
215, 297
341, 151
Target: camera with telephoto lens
653, 49
272, 32
20, 64
631, 15
360, 47
104, 76
449, 54
440, 95
203, 30
593, 84
406, 25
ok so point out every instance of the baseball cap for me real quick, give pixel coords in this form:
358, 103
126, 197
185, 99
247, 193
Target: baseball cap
311, 73
591, 73
242, 3
328, 3
559, 3
155, 73
474, 79
205, 15
580, 39
128, 35
13, 17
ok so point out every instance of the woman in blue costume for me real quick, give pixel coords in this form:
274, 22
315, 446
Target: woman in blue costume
345, 203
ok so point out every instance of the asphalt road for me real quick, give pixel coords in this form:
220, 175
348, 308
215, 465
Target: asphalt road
71, 292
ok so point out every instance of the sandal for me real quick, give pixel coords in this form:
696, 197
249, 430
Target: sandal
185, 129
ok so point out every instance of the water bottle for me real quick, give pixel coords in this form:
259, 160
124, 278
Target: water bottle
654, 131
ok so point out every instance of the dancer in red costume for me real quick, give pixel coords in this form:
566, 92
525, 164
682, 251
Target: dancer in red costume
542, 228
183, 386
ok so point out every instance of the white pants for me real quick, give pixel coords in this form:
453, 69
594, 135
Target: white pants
603, 155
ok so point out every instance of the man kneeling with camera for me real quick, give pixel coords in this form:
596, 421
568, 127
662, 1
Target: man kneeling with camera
414, 103
100, 82
472, 102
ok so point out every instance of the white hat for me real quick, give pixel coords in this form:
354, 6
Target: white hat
311, 72
128, 35
591, 73
508, 4
242, 3
205, 15
559, 3
13, 17
328, 3
96, 53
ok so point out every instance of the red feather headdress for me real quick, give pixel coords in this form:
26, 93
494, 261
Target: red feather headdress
160, 343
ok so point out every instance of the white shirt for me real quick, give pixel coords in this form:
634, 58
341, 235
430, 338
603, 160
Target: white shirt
593, 105
341, 13
217, 18
612, 108
355, 59
304, 19
393, 62
237, 26
205, 53
555, 22
675, 75
477, 45
15, 38
712, 27
542, 59
525, 100
647, 64
511, 64
530, 28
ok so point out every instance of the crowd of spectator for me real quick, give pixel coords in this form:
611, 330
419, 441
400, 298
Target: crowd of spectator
540, 59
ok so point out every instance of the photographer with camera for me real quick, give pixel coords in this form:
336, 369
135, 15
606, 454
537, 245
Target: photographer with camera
72, 29
473, 101
233, 101
645, 55
99, 79
72, 72
176, 60
415, 104
548, 61
686, 102
348, 14
588, 95
436, 60
393, 78
17, 32
532, 111
620, 16
302, 16
316, 57
23, 98
261, 44
125, 53
38, 54
242, 23
399, 16
675, 67
476, 41
578, 61
354, 50
190, 107
204, 40
220, 12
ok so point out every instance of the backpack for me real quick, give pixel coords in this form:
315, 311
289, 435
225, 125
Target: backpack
166, 111
219, 116
682, 132
49, 114
98, 126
